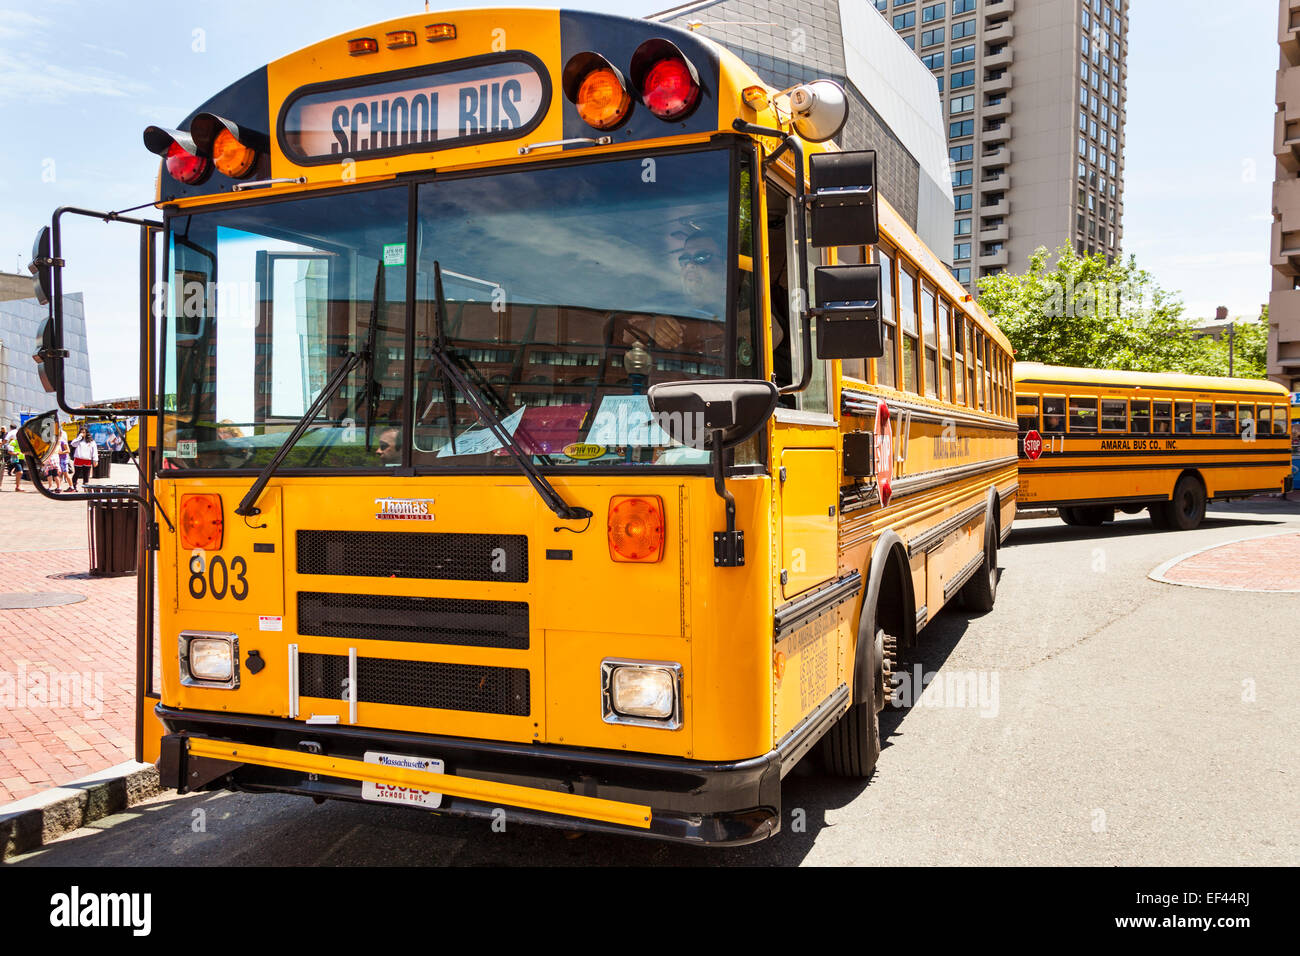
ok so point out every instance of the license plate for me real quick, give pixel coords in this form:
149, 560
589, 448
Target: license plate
407, 796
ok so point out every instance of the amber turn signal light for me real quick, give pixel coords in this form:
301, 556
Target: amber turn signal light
201, 523
636, 528
602, 100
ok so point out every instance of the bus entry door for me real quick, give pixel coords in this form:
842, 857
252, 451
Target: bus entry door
809, 496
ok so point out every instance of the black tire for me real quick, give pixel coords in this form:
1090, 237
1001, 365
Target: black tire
979, 593
1094, 516
852, 746
1159, 519
1187, 509
1069, 515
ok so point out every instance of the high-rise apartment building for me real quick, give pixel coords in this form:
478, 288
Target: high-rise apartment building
1284, 299
1034, 99
1032, 93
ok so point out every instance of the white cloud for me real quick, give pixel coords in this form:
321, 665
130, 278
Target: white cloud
24, 79
16, 23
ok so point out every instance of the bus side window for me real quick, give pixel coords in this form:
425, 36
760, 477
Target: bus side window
1183, 418
1245, 418
1204, 416
1114, 414
1027, 413
1083, 414
1139, 417
886, 373
1225, 418
959, 357
1264, 426
908, 327
1281, 420
1054, 413
1163, 418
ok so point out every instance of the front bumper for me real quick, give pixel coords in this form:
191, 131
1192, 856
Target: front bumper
687, 801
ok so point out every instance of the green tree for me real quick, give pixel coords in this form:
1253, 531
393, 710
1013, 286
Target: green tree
1069, 309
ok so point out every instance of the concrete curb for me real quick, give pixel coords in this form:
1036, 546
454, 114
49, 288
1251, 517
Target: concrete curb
1158, 573
33, 821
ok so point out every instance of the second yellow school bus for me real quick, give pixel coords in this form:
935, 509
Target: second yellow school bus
1094, 440
429, 546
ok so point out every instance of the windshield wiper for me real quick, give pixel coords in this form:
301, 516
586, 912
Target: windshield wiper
453, 373
350, 361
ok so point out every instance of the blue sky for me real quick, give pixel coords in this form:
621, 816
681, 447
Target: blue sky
79, 81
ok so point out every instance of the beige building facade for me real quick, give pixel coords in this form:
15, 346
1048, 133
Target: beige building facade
1284, 299
1034, 96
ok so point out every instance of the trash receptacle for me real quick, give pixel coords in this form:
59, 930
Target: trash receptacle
104, 466
114, 524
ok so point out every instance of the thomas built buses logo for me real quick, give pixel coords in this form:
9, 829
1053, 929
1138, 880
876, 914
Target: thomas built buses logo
405, 509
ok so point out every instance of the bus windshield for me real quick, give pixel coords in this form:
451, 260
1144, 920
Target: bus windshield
569, 290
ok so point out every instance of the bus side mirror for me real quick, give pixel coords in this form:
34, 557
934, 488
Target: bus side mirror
40, 265
39, 436
848, 312
843, 202
712, 413
49, 356
716, 415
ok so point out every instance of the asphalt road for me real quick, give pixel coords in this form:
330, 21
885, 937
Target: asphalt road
1116, 720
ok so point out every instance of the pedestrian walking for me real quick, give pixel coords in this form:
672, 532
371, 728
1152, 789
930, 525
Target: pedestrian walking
17, 462
85, 455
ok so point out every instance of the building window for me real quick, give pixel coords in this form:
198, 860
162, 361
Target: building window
904, 20
962, 177
933, 12
961, 128
962, 275
939, 81
961, 104
933, 61
963, 54
961, 250
963, 6
964, 29
961, 227
931, 37
962, 203
882, 5
959, 81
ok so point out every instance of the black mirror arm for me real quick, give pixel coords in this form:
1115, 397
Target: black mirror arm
56, 264
729, 545
34, 473
789, 141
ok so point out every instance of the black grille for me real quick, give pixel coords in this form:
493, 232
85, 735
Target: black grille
414, 554
420, 620
483, 690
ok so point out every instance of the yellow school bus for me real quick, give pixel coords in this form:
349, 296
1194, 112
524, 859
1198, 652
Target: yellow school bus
552, 422
1095, 440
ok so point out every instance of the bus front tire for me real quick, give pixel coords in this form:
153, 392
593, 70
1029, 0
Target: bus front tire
1187, 509
1069, 515
979, 593
852, 745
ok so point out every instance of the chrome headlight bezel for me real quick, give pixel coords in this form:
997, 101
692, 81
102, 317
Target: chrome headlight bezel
610, 714
189, 679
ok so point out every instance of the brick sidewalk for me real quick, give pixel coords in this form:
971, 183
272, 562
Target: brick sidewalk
1268, 563
67, 673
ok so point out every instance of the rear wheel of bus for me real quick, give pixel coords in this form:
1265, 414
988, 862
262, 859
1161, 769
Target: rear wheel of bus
979, 593
1187, 509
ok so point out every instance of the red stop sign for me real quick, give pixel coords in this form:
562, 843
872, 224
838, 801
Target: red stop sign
1033, 445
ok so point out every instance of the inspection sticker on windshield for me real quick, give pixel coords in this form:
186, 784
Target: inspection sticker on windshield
187, 448
395, 254
387, 793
